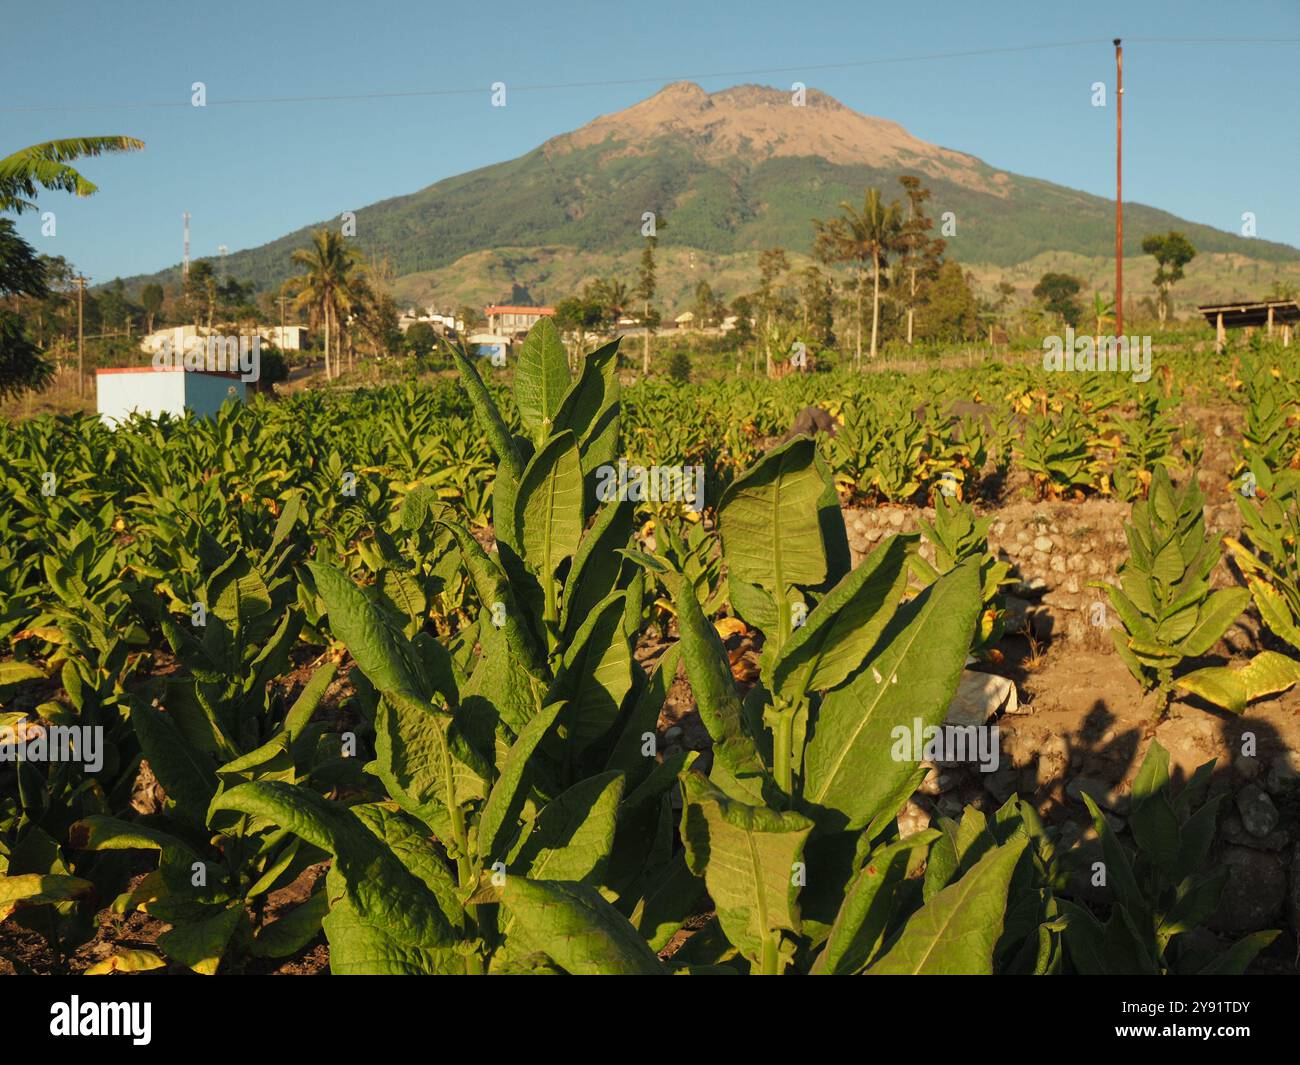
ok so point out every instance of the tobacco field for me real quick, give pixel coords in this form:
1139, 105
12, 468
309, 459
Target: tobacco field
384, 685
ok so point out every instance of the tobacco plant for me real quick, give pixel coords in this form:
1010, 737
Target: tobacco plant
218, 721
957, 535
793, 829
1164, 601
1160, 889
530, 820
1056, 453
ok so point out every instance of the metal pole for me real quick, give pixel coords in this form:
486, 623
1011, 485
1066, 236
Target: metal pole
1119, 188
81, 339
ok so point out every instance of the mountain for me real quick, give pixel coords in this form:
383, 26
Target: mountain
727, 174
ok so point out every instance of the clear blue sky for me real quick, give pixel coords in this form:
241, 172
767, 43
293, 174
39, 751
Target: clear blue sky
1210, 128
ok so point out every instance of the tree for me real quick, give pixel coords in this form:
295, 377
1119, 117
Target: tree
580, 315
818, 307
708, 308
950, 310
201, 290
420, 339
1056, 292
1172, 252
469, 318
46, 166
744, 312
613, 297
920, 255
378, 320
115, 310
22, 274
23, 366
861, 237
151, 299
328, 286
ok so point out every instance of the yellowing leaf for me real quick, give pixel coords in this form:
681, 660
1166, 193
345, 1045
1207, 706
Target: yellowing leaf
726, 627
127, 961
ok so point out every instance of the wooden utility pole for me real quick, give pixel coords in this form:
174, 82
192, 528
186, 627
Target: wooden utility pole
1119, 188
281, 300
81, 337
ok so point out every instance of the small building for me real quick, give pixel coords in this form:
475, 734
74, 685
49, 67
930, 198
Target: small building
173, 337
1271, 314
151, 391
492, 346
511, 320
442, 324
685, 320
286, 338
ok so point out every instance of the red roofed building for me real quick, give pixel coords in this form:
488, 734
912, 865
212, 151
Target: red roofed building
509, 320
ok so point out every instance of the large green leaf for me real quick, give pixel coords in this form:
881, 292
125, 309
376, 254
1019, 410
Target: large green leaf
1275, 610
379, 890
628, 753
573, 834
425, 760
541, 379
597, 563
737, 768
595, 675
577, 929
867, 907
236, 592
1219, 611
291, 932
548, 509
845, 625
768, 520
498, 822
747, 856
34, 889
955, 932
489, 417
590, 408
187, 775
385, 656
849, 768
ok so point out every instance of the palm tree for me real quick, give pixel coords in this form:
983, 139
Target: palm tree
46, 165
329, 287
860, 237
616, 297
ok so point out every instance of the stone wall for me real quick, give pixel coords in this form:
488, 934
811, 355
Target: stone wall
1056, 551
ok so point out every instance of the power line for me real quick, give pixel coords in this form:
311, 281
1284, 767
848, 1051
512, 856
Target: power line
753, 72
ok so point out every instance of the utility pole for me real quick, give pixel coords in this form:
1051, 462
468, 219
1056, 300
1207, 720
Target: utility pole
281, 300
221, 250
81, 337
1119, 188
185, 251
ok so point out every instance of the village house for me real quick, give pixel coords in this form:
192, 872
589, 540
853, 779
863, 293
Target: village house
511, 320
